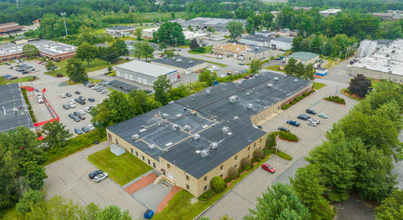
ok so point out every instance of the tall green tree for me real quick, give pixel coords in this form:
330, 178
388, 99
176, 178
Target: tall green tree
193, 44
235, 28
49, 65
86, 52
30, 50
137, 50
56, 134
210, 29
29, 200
309, 189
291, 67
75, 70
147, 50
34, 175
121, 46
161, 87
391, 208
171, 33
111, 54
9, 169
255, 66
297, 44
138, 33
113, 212
280, 202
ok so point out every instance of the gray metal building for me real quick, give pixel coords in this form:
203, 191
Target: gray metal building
144, 73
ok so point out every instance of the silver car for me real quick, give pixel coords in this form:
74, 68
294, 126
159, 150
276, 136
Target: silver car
104, 91
315, 120
311, 123
100, 177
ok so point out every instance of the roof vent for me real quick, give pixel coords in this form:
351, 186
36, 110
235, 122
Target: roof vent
225, 129
151, 146
295, 80
275, 79
135, 137
204, 153
213, 145
208, 91
174, 58
236, 118
187, 128
190, 61
247, 93
179, 60
197, 152
176, 127
249, 106
256, 48
165, 116
4, 110
270, 85
233, 99
196, 137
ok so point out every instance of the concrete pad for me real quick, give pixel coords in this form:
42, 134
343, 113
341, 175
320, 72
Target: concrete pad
152, 195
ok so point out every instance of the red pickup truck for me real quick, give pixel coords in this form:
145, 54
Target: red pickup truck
269, 168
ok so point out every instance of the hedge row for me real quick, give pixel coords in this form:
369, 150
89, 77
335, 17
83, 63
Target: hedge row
287, 136
24, 93
336, 99
297, 99
279, 153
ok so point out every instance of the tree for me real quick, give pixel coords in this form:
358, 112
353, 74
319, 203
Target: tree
75, 70
30, 199
217, 184
309, 72
137, 50
3, 81
49, 65
121, 46
308, 187
87, 52
169, 53
163, 45
56, 134
113, 212
147, 50
204, 76
392, 207
245, 162
140, 102
8, 179
110, 68
193, 44
281, 202
291, 67
111, 54
138, 33
255, 66
233, 172
235, 28
214, 76
30, 50
210, 29
360, 85
297, 44
161, 87
34, 175
170, 33
173, 16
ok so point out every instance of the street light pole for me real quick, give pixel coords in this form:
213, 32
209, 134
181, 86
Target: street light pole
65, 27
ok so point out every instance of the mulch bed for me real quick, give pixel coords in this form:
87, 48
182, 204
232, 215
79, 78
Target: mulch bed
143, 182
353, 95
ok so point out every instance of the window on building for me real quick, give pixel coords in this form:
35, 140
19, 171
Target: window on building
117, 142
148, 161
205, 179
137, 154
254, 145
187, 178
248, 156
153, 164
222, 167
236, 157
260, 140
187, 187
168, 166
236, 165
109, 136
205, 187
143, 157
248, 148
131, 150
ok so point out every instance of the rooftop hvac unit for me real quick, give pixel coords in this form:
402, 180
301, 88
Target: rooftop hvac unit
197, 152
275, 79
196, 137
208, 91
190, 61
194, 112
213, 145
176, 127
179, 60
174, 58
270, 85
165, 116
256, 48
204, 153
236, 118
225, 129
151, 146
239, 83
249, 106
135, 137
187, 128
233, 99
295, 80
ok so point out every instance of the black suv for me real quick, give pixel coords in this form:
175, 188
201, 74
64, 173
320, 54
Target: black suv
81, 98
310, 111
95, 173
283, 129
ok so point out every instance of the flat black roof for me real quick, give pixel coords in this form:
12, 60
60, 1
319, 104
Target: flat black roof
13, 109
122, 85
173, 61
258, 49
214, 111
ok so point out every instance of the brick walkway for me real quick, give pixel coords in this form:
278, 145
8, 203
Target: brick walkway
145, 181
168, 198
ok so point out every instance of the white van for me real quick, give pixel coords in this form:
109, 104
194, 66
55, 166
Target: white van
215, 68
40, 100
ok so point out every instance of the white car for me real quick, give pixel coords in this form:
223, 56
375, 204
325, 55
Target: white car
100, 177
72, 105
315, 120
215, 68
95, 87
63, 95
90, 127
72, 101
82, 112
87, 109
311, 123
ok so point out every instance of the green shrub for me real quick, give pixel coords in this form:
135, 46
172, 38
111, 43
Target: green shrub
284, 155
31, 112
217, 184
293, 102
287, 136
258, 153
200, 49
245, 162
284, 107
228, 179
206, 195
271, 139
258, 159
253, 161
266, 152
305, 94
39, 134
336, 99
233, 172
30, 199
241, 170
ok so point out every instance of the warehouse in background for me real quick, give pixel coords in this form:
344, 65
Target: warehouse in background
183, 65
121, 30
304, 57
145, 73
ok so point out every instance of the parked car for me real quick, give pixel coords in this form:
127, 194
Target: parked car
104, 91
72, 105
85, 129
68, 94
312, 123
322, 115
71, 116
303, 117
66, 107
76, 113
13, 78
78, 131
246, 77
241, 64
94, 174
283, 129
315, 120
148, 214
77, 92
81, 98
87, 109
25, 72
306, 115
310, 111
81, 117
90, 127
100, 177
91, 85
81, 102
63, 95
82, 112
267, 167
294, 123
40, 62
76, 119
91, 99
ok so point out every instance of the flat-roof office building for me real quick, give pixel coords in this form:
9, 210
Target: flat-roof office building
183, 65
196, 138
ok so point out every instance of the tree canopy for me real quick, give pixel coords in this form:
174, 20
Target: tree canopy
75, 70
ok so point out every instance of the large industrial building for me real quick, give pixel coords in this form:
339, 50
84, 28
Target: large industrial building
183, 65
196, 138
283, 43
384, 62
49, 49
13, 111
145, 73
10, 28
203, 22
120, 29
304, 57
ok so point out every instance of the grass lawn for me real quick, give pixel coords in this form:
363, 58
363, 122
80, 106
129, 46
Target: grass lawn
180, 208
122, 169
274, 68
97, 64
23, 79
218, 64
207, 50
183, 46
317, 86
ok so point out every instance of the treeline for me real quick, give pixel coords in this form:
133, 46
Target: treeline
370, 5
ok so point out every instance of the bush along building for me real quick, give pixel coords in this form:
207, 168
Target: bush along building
196, 138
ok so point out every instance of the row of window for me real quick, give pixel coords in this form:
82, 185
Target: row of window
142, 157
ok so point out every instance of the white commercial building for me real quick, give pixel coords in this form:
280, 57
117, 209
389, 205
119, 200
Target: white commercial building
145, 73
148, 33
329, 12
284, 43
190, 35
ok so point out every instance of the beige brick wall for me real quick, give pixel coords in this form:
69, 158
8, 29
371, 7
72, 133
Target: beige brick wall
376, 74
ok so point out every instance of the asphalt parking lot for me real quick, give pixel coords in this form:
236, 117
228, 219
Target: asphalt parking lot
39, 69
69, 177
53, 95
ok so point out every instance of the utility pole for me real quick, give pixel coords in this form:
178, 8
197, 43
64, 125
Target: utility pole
65, 27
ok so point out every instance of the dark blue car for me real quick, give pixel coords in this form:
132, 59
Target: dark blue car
294, 123
303, 117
